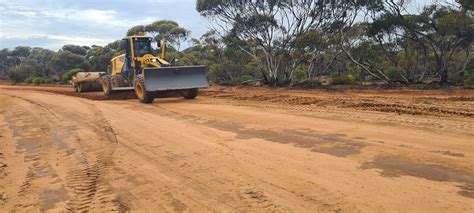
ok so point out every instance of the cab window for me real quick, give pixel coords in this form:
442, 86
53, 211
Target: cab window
142, 47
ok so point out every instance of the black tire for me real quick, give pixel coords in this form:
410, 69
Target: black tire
190, 93
140, 90
106, 85
117, 81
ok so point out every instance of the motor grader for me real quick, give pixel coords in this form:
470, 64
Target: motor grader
149, 75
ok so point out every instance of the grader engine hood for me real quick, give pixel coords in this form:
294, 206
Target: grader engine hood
175, 78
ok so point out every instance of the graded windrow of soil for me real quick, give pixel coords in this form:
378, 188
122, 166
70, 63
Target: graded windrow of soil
237, 149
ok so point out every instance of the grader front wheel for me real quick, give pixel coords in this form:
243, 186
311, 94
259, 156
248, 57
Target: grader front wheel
140, 90
190, 93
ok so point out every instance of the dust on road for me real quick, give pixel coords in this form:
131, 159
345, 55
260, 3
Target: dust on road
238, 149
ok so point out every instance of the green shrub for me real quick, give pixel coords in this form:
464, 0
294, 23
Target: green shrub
299, 75
245, 78
29, 80
308, 83
392, 73
37, 80
469, 81
16, 75
456, 78
47, 80
344, 80
68, 75
421, 86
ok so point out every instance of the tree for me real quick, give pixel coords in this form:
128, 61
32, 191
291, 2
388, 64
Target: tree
39, 59
267, 29
466, 4
135, 30
16, 74
441, 30
169, 30
76, 49
320, 51
227, 65
100, 57
65, 60
21, 52
115, 46
6, 62
11, 60
15, 56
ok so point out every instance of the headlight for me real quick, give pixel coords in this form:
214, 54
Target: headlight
153, 59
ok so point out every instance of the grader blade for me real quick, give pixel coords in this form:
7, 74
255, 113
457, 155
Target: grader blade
175, 78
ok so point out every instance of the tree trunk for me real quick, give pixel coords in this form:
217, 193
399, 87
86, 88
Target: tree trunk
365, 68
310, 70
444, 76
463, 69
442, 70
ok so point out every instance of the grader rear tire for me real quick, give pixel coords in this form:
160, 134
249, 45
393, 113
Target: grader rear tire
140, 90
190, 93
117, 81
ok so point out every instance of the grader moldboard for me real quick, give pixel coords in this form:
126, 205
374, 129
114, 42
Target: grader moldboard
148, 75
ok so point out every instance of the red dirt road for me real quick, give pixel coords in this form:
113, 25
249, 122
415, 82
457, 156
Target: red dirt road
237, 149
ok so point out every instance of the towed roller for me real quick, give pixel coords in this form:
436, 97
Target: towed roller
87, 81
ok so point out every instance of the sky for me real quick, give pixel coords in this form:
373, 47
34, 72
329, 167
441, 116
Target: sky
54, 23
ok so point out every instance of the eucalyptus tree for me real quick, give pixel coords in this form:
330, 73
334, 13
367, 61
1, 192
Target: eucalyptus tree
174, 34
135, 30
439, 30
268, 30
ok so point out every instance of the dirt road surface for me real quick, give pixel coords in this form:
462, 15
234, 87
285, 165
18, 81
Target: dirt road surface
238, 149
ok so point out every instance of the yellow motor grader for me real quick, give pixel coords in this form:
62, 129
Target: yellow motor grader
149, 75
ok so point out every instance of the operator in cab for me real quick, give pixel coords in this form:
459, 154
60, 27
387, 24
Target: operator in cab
142, 48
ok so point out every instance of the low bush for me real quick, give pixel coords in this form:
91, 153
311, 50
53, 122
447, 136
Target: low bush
29, 80
46, 80
68, 75
308, 83
37, 80
344, 80
246, 78
299, 75
469, 81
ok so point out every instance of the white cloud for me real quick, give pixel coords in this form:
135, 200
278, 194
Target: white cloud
23, 22
53, 23
55, 42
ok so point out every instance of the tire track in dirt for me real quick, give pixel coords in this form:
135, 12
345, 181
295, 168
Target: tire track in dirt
88, 190
29, 133
256, 194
